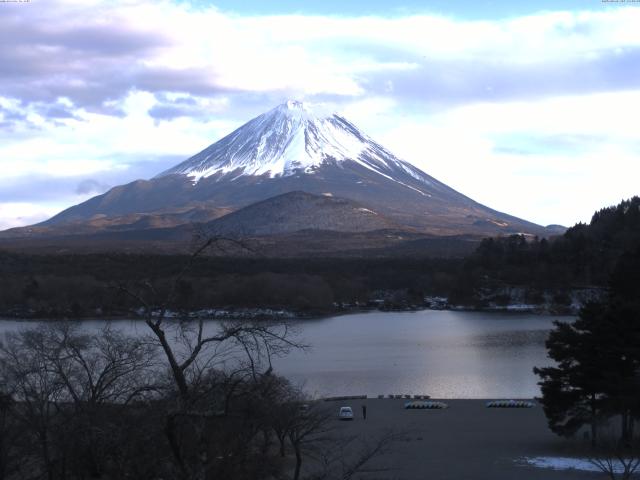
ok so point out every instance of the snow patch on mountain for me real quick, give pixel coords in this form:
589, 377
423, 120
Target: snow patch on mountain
291, 139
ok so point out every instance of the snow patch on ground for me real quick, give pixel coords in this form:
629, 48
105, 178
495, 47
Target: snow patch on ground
566, 463
366, 210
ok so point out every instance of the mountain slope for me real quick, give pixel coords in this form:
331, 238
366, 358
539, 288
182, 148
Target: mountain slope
160, 219
296, 211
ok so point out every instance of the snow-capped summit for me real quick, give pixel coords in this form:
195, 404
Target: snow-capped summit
291, 138
294, 106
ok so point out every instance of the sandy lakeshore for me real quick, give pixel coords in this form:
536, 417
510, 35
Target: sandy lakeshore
465, 441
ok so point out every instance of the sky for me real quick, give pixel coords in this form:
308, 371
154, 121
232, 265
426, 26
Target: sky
527, 107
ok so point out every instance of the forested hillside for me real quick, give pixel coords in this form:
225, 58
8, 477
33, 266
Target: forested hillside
585, 255
550, 270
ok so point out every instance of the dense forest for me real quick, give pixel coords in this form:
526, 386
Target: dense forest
584, 257
90, 285
540, 270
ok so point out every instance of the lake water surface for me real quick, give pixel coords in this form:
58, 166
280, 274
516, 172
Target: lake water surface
445, 354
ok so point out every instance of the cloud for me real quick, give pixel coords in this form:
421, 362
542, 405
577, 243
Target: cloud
42, 187
28, 199
553, 160
91, 186
169, 107
17, 214
97, 54
444, 83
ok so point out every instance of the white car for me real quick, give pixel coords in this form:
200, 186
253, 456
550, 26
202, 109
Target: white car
346, 413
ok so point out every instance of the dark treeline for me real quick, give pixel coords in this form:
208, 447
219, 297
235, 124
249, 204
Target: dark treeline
80, 285
66, 285
585, 255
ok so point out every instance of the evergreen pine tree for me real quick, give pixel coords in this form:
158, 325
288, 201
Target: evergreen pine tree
573, 392
598, 360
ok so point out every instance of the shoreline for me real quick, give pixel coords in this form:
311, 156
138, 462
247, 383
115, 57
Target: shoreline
284, 314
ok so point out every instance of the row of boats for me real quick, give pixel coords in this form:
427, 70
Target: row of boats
492, 404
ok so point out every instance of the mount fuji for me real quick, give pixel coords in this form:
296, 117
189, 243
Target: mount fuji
291, 148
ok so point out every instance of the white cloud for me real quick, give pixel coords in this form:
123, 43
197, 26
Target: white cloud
96, 143
17, 214
326, 54
557, 183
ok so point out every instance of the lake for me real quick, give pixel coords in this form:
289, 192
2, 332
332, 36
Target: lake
445, 354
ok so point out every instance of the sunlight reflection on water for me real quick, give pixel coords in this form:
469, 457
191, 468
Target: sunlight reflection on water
445, 354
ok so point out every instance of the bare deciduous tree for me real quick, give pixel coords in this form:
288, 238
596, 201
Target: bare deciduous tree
9, 435
199, 354
62, 381
196, 349
345, 456
616, 458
